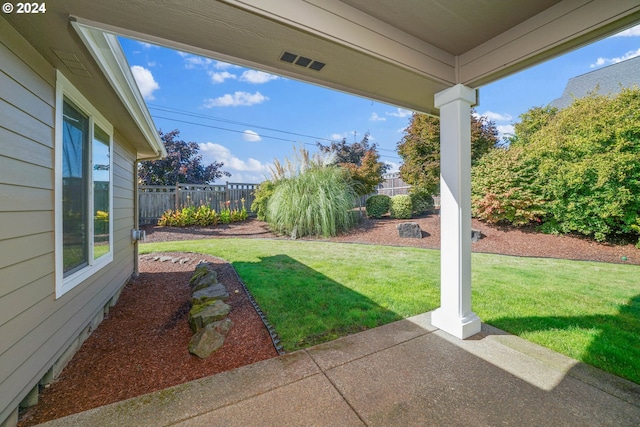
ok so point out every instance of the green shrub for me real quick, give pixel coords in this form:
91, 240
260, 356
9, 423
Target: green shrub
421, 200
317, 202
590, 165
262, 194
401, 206
202, 216
505, 188
377, 205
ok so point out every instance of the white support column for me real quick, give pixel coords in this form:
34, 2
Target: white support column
454, 315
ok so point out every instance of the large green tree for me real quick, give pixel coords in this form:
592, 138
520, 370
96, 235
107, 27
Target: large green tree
183, 164
420, 149
361, 159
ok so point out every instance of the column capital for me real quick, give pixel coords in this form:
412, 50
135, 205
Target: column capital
458, 92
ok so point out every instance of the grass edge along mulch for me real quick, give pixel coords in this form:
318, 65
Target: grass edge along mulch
314, 292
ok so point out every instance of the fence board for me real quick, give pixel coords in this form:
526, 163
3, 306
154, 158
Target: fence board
154, 200
393, 185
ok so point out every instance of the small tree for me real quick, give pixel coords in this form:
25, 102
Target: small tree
420, 149
183, 164
361, 159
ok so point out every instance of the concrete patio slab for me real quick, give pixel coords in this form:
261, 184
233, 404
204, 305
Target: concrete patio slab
347, 349
188, 400
310, 401
433, 381
402, 374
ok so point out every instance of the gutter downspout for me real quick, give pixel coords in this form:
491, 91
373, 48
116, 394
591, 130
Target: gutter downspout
136, 219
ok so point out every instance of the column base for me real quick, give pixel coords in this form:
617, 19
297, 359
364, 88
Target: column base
459, 327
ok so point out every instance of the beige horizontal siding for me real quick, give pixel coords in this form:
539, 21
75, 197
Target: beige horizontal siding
25, 150
23, 99
23, 273
25, 223
16, 199
16, 172
36, 328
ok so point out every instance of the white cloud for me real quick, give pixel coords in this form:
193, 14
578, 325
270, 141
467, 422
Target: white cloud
146, 82
217, 77
497, 117
336, 137
376, 118
394, 167
400, 112
146, 45
151, 64
251, 136
607, 61
505, 130
215, 152
257, 77
631, 32
235, 100
197, 61
219, 65
193, 61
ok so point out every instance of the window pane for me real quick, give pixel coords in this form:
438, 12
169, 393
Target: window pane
101, 166
74, 189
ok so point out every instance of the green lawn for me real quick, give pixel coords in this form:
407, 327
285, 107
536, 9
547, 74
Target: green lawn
317, 291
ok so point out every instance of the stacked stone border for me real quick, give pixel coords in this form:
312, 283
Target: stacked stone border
275, 339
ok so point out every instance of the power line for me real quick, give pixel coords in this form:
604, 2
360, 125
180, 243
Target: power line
212, 118
239, 131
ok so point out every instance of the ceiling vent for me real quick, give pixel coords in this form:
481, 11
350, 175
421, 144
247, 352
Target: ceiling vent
72, 62
302, 61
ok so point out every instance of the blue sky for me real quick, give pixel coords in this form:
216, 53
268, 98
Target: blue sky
246, 118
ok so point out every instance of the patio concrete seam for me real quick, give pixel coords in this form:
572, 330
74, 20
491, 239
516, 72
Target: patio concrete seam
355, 411
252, 396
310, 354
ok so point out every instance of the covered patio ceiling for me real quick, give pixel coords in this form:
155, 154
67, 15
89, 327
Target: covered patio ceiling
400, 52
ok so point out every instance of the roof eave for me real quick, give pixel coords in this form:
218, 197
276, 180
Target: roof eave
108, 54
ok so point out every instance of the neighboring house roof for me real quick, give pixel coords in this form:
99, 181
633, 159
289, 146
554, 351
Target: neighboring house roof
604, 81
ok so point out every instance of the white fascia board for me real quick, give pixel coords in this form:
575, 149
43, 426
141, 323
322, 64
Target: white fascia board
108, 54
561, 28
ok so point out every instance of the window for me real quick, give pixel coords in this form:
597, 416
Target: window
84, 227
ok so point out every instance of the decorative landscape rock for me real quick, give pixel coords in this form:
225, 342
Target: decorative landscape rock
208, 314
409, 230
210, 338
211, 293
476, 235
203, 314
204, 276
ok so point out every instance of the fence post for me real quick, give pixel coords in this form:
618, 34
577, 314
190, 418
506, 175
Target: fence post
177, 197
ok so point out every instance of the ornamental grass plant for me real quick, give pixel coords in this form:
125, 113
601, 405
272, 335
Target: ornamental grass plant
317, 202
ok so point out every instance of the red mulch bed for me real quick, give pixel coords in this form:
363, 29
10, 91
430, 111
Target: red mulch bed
141, 346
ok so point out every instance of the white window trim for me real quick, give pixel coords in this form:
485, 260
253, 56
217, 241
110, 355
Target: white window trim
64, 89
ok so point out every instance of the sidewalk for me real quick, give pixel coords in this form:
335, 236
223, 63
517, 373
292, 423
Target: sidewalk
402, 374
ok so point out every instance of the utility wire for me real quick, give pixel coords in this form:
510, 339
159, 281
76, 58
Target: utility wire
262, 136
207, 117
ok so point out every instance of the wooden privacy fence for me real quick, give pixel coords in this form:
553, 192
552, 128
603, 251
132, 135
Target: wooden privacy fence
154, 200
393, 185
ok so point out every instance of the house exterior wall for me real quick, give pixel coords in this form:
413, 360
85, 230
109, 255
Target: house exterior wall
39, 333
